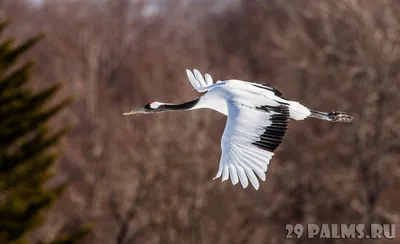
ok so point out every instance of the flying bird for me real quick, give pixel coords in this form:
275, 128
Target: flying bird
258, 117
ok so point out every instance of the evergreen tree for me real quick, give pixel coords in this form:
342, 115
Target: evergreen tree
27, 155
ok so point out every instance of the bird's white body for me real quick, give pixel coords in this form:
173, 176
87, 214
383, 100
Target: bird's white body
241, 160
246, 94
258, 116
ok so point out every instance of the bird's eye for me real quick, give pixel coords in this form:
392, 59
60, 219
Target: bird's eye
148, 105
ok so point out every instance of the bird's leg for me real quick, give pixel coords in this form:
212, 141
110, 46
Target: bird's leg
334, 116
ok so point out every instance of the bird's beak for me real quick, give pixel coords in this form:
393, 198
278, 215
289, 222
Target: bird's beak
135, 111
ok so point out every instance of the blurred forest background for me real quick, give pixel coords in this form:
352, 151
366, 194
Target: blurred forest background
148, 179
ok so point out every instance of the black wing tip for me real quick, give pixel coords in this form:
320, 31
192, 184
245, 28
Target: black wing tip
270, 88
273, 135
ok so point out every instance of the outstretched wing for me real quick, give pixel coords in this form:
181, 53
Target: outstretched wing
250, 137
198, 82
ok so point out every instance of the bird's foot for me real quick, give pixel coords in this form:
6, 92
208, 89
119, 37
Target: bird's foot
337, 116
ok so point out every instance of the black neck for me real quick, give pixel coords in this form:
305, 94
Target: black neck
183, 106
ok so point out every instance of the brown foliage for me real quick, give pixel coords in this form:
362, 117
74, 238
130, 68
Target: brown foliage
148, 179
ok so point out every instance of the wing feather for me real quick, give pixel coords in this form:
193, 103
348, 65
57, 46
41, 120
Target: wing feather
201, 84
242, 176
251, 135
225, 172
253, 164
251, 176
233, 174
209, 80
200, 78
195, 83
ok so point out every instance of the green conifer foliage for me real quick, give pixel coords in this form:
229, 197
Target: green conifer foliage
27, 152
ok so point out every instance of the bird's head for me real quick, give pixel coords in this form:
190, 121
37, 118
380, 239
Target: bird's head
151, 107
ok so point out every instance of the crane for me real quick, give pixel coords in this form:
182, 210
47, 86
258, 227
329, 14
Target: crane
258, 117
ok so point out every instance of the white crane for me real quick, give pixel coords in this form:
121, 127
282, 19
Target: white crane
258, 117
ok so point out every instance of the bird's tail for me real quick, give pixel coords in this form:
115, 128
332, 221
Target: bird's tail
334, 116
298, 111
